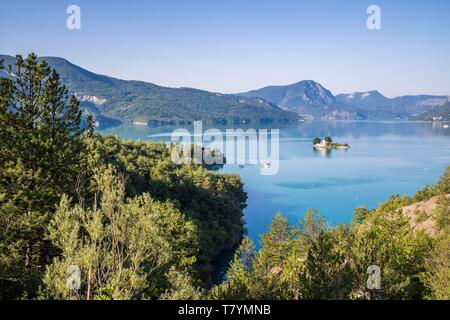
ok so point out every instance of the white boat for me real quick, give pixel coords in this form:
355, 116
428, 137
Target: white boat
266, 165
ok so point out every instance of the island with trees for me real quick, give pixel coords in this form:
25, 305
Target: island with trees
327, 143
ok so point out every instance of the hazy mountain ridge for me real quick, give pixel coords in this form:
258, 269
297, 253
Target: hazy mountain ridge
376, 105
363, 99
310, 98
138, 101
307, 92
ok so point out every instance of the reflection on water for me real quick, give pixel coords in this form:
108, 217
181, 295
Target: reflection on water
385, 158
308, 129
323, 152
358, 129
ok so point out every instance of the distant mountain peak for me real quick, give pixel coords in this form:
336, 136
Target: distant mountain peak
296, 95
306, 97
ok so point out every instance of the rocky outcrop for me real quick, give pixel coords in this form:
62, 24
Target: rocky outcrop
421, 215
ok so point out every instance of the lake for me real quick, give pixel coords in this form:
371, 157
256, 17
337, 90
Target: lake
385, 158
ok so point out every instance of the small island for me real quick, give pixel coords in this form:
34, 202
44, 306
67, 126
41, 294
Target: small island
327, 143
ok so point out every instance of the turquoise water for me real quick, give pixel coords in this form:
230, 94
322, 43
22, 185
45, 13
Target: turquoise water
385, 158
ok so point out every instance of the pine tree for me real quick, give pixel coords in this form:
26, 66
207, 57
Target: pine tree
40, 134
277, 242
238, 284
326, 274
41, 150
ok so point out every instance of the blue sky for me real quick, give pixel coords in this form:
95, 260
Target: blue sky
238, 45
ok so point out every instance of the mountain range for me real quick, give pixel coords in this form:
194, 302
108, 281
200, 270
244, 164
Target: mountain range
113, 101
311, 100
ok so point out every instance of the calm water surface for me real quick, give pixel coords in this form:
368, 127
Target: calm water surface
385, 158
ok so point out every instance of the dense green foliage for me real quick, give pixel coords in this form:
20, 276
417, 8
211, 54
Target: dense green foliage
215, 202
41, 151
138, 225
124, 246
130, 101
313, 261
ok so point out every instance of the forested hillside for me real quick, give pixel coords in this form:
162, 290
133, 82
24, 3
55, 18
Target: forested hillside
311, 260
136, 224
111, 100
